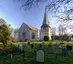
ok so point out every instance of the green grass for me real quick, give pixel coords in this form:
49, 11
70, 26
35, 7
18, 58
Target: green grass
30, 58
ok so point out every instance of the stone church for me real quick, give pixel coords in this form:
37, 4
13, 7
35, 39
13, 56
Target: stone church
28, 32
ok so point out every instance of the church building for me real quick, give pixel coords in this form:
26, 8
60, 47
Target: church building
28, 32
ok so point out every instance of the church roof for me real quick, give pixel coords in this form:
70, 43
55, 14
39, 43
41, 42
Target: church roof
45, 25
31, 27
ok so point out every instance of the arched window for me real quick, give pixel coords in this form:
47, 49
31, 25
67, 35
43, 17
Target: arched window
24, 33
33, 35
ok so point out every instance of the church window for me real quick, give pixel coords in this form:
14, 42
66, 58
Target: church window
24, 33
33, 35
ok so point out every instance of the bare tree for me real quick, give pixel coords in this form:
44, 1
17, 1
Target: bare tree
66, 18
50, 4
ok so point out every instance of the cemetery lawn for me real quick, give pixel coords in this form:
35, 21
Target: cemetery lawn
29, 57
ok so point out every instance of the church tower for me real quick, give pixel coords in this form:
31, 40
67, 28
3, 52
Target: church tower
45, 28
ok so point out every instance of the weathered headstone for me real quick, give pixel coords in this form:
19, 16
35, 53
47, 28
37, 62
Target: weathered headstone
43, 41
32, 45
24, 45
28, 47
28, 42
51, 50
40, 46
40, 57
21, 47
58, 46
64, 51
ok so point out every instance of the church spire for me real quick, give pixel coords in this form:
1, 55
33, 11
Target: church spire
45, 21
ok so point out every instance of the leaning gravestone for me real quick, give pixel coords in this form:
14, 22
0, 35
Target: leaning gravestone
40, 57
51, 50
64, 51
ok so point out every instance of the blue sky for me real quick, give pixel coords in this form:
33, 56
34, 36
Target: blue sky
14, 15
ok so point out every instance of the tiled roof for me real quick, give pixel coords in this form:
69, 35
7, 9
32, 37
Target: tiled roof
31, 27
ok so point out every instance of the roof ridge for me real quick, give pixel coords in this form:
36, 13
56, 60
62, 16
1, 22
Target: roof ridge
31, 27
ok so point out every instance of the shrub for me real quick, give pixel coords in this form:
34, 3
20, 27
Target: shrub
7, 51
46, 38
15, 49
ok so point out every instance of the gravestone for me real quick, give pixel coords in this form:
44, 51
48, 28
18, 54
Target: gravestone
21, 47
34, 51
28, 42
28, 47
69, 47
40, 57
32, 45
64, 51
51, 50
43, 41
58, 46
40, 46
24, 45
